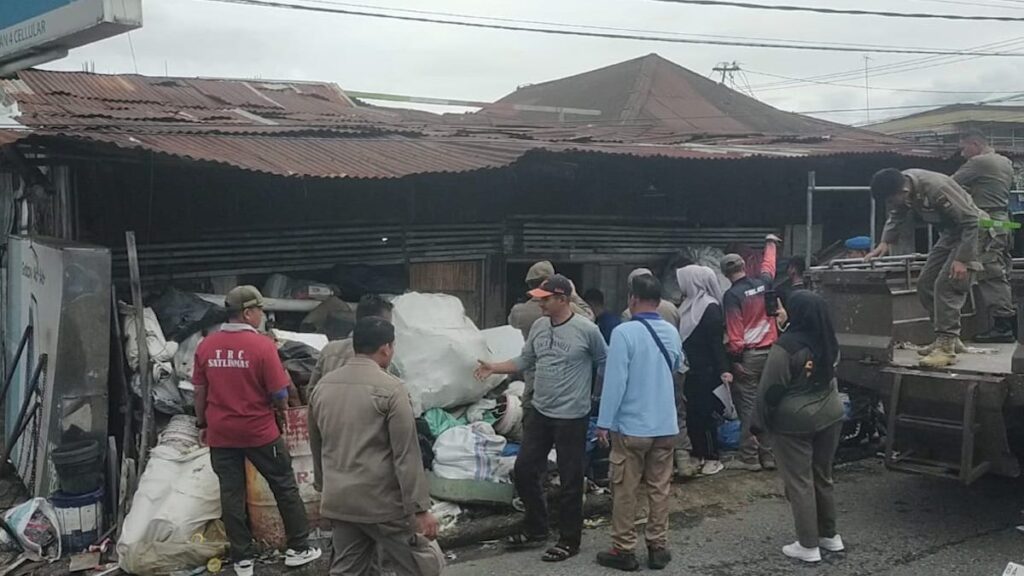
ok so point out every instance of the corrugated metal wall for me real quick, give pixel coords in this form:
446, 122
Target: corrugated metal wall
227, 253
581, 242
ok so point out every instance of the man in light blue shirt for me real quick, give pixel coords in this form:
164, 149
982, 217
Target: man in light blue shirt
638, 414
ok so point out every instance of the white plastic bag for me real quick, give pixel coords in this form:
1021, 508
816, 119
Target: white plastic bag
160, 350
470, 452
724, 395
177, 496
436, 351
19, 520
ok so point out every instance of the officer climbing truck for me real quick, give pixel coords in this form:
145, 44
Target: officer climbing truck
953, 410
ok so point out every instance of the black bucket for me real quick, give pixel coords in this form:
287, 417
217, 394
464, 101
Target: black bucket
79, 466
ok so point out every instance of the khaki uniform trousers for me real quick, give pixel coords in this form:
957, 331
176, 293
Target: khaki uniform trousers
358, 549
940, 295
637, 462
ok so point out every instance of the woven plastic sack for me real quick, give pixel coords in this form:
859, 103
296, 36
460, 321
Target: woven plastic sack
471, 452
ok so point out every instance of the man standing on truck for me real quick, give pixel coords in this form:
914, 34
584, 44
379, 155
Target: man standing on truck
750, 333
988, 177
945, 280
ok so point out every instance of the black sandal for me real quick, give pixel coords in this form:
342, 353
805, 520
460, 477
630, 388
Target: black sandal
523, 541
559, 553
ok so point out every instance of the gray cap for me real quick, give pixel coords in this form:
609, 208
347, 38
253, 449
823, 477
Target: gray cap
638, 272
242, 297
540, 271
731, 264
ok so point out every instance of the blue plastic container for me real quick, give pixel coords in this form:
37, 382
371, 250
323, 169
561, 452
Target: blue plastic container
81, 518
729, 435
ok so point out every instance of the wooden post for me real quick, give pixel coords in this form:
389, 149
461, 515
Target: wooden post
145, 372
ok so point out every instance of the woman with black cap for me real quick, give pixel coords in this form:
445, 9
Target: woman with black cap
799, 405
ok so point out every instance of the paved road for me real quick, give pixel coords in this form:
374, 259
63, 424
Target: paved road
893, 524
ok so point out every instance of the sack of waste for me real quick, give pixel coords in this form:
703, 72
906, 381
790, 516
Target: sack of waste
436, 351
472, 452
174, 522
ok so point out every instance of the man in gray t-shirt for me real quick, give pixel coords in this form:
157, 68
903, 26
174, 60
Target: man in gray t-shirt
567, 353
564, 357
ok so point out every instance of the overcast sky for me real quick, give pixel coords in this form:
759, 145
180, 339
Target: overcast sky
203, 38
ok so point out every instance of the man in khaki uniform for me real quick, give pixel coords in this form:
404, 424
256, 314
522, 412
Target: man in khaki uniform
523, 315
988, 177
338, 352
668, 311
945, 280
367, 463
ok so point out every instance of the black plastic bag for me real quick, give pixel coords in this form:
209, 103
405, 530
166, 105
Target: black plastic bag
182, 314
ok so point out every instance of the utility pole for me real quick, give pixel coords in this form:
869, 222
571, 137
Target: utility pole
867, 90
728, 70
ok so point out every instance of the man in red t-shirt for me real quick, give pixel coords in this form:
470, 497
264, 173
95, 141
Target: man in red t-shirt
239, 383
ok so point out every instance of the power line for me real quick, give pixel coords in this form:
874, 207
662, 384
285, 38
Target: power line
895, 67
514, 28
848, 11
882, 88
592, 26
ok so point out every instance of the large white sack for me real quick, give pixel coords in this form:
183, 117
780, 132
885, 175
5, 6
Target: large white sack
436, 351
504, 342
471, 452
177, 496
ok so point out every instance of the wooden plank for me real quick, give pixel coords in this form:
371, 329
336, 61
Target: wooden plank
145, 372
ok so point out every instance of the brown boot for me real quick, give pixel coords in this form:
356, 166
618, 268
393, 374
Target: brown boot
960, 347
943, 353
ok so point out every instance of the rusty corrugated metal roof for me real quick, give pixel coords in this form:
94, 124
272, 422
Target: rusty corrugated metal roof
318, 157
314, 130
58, 100
653, 92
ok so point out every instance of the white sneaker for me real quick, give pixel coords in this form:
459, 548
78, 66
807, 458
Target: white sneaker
833, 544
795, 550
294, 558
712, 467
243, 568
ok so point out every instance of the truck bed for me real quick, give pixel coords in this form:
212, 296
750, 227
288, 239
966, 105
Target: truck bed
998, 363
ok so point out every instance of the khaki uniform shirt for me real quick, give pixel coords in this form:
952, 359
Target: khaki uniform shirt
668, 311
523, 315
366, 454
988, 178
332, 357
937, 199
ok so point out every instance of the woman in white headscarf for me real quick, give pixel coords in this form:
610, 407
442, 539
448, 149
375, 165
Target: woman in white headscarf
702, 328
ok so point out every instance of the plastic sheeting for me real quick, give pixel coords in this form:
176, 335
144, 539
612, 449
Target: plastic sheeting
436, 350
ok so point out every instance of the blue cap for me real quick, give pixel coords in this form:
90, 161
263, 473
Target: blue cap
859, 243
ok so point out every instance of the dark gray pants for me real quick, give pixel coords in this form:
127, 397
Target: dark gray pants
275, 465
805, 464
744, 395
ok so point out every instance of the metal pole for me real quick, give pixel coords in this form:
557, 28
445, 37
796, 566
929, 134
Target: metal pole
14, 363
931, 236
810, 216
21, 424
874, 211
145, 373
